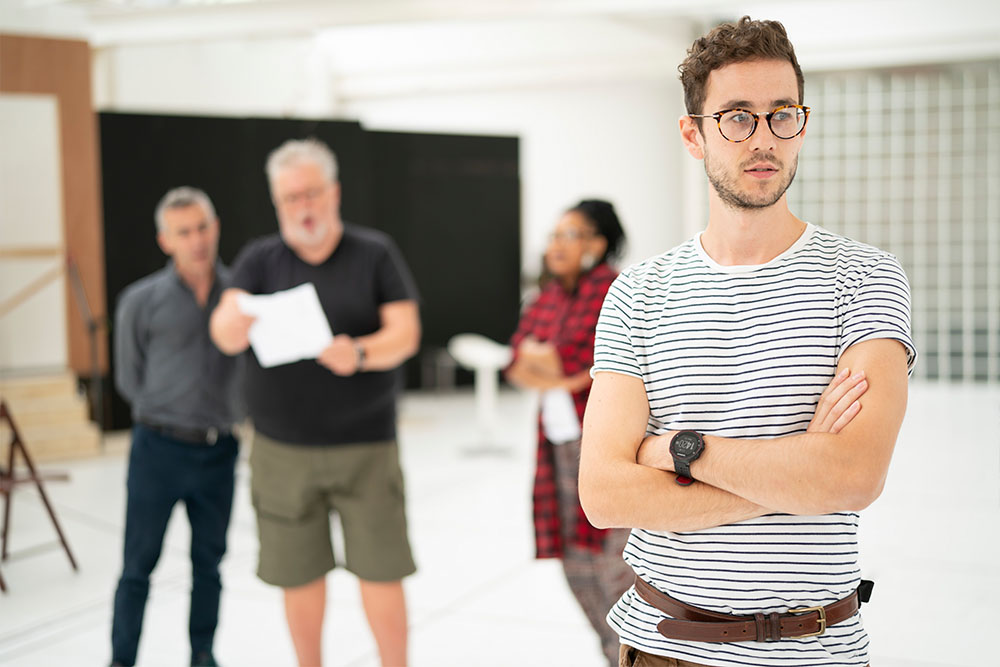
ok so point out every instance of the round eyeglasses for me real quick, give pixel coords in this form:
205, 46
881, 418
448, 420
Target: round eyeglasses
736, 125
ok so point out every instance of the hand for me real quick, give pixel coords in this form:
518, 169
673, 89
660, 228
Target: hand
541, 357
230, 325
838, 404
340, 356
576, 383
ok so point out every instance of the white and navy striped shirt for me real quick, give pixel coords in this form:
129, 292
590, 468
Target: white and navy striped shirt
745, 352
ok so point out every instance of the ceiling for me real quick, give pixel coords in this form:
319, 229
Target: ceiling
827, 33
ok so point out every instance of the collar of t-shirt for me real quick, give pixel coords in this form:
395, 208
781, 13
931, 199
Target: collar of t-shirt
747, 268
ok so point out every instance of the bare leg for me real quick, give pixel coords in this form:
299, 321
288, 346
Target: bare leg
385, 607
304, 607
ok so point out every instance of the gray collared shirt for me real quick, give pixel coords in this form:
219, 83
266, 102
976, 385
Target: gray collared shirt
166, 366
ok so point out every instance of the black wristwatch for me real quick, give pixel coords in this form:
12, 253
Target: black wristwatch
685, 448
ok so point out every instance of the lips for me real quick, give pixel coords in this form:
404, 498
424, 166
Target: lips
761, 171
762, 168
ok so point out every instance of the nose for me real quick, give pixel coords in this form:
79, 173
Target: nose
763, 138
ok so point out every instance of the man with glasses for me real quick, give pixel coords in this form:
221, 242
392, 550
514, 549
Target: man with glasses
325, 429
749, 386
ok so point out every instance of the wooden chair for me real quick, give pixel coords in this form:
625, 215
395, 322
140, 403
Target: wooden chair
9, 480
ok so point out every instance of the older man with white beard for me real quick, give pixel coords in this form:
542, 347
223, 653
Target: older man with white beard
325, 429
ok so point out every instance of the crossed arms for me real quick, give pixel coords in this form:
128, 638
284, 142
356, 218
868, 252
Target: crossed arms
537, 366
839, 464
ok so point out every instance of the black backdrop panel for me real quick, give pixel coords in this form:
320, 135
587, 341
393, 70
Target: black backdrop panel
451, 203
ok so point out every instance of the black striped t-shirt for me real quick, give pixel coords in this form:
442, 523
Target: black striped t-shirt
745, 352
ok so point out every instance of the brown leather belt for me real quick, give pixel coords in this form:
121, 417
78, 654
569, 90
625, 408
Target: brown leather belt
701, 625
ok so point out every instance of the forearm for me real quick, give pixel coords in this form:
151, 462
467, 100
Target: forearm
630, 495
810, 473
807, 474
526, 376
128, 355
388, 347
127, 381
128, 373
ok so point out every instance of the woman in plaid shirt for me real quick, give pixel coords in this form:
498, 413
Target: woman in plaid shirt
553, 353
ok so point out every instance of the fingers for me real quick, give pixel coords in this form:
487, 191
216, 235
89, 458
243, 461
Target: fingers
836, 399
827, 400
835, 383
845, 419
340, 357
839, 411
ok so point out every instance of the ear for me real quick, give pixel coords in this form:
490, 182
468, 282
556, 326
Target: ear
597, 246
164, 242
694, 140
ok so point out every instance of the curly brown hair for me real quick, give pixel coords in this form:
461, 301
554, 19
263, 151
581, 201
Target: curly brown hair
733, 43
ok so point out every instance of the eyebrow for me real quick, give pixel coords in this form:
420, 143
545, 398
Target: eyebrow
744, 104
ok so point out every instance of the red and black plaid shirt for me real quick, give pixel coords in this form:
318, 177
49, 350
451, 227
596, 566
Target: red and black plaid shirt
568, 321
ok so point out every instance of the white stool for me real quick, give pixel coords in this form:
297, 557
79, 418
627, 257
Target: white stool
486, 357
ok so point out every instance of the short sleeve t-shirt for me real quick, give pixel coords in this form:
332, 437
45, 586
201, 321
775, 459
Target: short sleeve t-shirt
304, 403
745, 352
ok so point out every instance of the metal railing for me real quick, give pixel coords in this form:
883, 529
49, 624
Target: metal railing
68, 267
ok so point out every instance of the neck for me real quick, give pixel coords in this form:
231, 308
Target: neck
749, 236
569, 281
199, 281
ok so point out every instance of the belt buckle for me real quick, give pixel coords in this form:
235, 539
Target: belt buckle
212, 435
822, 620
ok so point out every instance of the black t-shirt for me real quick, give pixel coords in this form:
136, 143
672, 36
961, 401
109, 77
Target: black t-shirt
304, 402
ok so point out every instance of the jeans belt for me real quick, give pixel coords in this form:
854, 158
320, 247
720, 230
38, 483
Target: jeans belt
691, 623
194, 436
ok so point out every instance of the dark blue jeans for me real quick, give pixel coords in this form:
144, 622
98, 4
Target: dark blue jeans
161, 472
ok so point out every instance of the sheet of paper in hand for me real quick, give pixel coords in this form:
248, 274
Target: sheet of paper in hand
290, 325
560, 422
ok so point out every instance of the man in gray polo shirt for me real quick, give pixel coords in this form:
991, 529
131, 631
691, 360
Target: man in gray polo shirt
181, 389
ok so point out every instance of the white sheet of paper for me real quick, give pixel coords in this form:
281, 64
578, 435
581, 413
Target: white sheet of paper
290, 325
559, 420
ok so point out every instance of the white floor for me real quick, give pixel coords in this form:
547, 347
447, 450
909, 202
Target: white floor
932, 543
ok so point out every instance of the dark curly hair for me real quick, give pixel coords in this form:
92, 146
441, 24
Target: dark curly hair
733, 43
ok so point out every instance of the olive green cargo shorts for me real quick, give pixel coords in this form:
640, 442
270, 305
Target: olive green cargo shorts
294, 489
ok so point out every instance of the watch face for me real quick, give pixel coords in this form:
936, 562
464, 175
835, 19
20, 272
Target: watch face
685, 445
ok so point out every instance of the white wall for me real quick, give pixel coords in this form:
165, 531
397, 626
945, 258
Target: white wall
613, 141
236, 77
33, 335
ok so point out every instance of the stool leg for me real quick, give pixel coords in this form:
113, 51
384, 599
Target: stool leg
486, 399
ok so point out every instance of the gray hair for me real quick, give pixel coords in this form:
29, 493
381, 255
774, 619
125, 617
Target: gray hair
183, 197
298, 151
